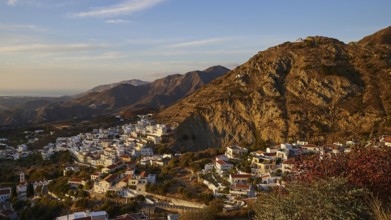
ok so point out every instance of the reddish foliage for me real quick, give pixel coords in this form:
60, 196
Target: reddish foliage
367, 167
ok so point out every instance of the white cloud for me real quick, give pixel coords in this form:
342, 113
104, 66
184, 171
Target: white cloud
20, 27
126, 8
105, 56
198, 43
11, 2
49, 48
116, 21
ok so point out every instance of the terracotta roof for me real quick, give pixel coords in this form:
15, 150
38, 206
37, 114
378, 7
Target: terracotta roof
332, 146
310, 145
289, 161
111, 177
222, 162
112, 166
75, 180
5, 191
241, 186
266, 175
126, 178
387, 138
270, 154
259, 152
143, 174
240, 175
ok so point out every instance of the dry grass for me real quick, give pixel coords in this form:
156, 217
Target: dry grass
380, 210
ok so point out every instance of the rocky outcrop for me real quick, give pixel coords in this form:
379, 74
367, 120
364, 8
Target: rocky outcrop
316, 89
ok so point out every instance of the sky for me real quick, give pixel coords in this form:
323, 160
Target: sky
53, 47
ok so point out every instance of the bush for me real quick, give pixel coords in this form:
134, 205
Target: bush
323, 199
366, 167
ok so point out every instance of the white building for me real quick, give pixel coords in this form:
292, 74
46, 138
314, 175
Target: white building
146, 151
5, 194
235, 152
99, 215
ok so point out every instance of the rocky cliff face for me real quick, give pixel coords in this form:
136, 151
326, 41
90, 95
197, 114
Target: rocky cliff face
316, 89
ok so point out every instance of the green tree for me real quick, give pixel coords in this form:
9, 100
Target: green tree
330, 198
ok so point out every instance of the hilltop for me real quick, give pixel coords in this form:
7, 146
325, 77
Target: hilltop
315, 89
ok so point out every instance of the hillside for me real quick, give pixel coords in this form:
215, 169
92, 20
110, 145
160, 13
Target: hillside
124, 97
316, 89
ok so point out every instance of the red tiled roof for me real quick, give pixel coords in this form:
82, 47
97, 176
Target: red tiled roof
126, 178
221, 162
111, 177
241, 186
270, 154
5, 191
240, 175
75, 180
111, 166
289, 161
143, 174
332, 146
387, 138
265, 175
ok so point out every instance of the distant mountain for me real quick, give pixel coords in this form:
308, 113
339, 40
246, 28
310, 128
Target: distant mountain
101, 88
317, 89
126, 97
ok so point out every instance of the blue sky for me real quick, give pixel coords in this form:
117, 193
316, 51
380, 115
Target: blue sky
73, 45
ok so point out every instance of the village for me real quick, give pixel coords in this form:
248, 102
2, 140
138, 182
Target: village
120, 159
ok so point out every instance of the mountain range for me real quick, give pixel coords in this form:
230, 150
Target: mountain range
125, 97
314, 89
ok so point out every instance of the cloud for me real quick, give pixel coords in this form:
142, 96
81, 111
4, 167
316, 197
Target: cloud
105, 56
198, 43
49, 48
20, 27
116, 21
11, 2
126, 8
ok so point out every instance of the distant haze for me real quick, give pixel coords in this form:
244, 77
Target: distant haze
38, 93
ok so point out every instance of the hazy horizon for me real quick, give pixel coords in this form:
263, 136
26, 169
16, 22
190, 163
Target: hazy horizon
38, 93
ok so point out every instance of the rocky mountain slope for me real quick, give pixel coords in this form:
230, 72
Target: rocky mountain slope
126, 96
102, 88
316, 89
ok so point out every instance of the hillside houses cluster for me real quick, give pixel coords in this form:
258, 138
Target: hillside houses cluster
225, 177
14, 153
113, 152
105, 147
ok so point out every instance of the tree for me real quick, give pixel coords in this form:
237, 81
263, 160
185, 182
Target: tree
30, 190
330, 198
367, 167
